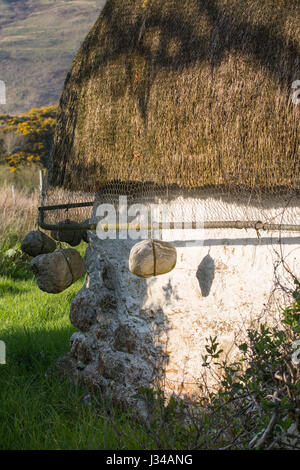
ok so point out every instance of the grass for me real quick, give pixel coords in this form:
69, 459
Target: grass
38, 409
18, 215
37, 412
36, 330
27, 179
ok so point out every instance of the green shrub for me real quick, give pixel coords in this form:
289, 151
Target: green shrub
257, 405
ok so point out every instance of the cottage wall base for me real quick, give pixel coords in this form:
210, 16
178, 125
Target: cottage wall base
144, 332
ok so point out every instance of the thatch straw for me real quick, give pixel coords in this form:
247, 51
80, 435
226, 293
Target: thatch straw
185, 92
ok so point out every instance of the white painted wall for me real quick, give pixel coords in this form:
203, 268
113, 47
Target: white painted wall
219, 287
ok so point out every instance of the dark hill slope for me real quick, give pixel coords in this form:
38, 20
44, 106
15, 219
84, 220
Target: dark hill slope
38, 40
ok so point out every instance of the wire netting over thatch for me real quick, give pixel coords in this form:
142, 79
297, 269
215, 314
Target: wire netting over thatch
187, 92
214, 208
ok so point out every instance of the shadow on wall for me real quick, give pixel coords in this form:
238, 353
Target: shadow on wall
206, 274
263, 241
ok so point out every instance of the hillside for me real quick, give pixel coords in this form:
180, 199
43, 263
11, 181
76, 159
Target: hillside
38, 40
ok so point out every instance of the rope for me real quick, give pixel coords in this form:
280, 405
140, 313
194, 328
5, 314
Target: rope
154, 257
69, 266
42, 247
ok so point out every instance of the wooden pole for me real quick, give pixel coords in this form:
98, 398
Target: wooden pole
238, 224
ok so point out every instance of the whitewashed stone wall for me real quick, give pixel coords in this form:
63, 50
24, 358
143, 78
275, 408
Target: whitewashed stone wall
141, 332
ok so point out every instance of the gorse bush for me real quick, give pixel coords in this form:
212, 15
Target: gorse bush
27, 138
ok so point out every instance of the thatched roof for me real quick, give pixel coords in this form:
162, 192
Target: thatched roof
184, 92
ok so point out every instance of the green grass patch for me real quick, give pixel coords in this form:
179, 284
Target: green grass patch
40, 411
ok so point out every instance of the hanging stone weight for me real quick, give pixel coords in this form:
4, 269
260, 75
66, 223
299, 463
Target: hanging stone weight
72, 237
37, 243
56, 271
151, 258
